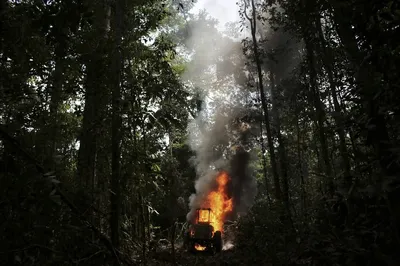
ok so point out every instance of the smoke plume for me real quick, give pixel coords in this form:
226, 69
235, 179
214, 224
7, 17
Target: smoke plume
219, 134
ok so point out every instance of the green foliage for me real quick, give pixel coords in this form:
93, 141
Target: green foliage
68, 38
346, 228
331, 71
317, 237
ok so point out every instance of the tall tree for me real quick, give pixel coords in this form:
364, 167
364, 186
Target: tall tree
116, 124
327, 61
253, 27
320, 114
96, 95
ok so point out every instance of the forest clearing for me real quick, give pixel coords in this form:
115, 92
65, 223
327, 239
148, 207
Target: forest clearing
197, 132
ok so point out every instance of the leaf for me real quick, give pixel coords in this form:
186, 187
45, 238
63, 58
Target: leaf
53, 180
53, 192
152, 210
156, 168
56, 199
386, 16
49, 173
157, 186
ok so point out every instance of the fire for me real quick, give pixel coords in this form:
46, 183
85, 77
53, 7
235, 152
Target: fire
199, 247
219, 202
214, 209
203, 216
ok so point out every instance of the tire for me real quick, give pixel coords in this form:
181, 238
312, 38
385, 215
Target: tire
187, 243
186, 239
191, 248
217, 241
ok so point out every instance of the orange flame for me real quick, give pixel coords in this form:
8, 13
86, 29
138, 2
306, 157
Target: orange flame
199, 247
219, 202
203, 216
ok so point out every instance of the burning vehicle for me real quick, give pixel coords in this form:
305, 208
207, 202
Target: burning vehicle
201, 235
206, 226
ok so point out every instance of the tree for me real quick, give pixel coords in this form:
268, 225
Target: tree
116, 125
253, 25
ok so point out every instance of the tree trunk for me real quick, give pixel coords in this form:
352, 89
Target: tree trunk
115, 196
56, 92
96, 98
173, 236
278, 192
376, 127
327, 61
281, 149
172, 195
300, 167
264, 163
143, 228
377, 133
319, 113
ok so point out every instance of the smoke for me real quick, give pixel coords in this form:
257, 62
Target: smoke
219, 134
228, 245
282, 48
225, 11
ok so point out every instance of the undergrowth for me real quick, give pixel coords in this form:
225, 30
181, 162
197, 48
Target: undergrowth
331, 232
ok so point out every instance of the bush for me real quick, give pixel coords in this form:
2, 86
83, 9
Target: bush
319, 236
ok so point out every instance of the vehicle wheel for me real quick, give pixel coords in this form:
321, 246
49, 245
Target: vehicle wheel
186, 239
191, 247
218, 241
187, 244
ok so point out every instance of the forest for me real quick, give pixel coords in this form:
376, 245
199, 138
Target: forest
121, 119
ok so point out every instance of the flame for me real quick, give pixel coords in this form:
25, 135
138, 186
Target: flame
219, 202
199, 247
203, 216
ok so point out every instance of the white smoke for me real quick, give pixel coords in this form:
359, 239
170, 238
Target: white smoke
223, 10
216, 71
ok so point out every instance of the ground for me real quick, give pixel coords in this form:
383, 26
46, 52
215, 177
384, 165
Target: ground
228, 256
